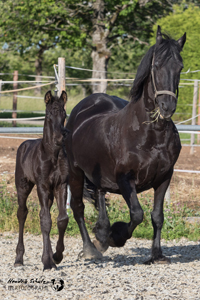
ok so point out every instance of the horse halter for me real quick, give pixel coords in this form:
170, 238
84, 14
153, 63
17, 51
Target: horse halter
154, 85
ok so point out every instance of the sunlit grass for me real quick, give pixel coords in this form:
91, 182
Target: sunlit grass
174, 227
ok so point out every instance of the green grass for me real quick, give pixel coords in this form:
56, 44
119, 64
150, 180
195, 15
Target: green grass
26, 104
9, 124
34, 104
174, 226
186, 138
8, 115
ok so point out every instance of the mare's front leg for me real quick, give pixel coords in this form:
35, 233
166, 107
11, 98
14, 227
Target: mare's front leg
102, 227
62, 220
46, 200
157, 218
24, 188
121, 231
77, 205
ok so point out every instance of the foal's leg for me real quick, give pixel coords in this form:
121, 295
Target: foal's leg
76, 186
102, 227
62, 221
45, 197
157, 218
23, 190
121, 231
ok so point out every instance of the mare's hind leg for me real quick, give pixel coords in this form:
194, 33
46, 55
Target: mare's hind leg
46, 200
102, 227
121, 231
157, 218
62, 221
23, 190
76, 186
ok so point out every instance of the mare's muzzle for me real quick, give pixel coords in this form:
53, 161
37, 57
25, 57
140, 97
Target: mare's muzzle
166, 110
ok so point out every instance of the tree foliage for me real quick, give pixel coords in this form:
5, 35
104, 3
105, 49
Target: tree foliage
31, 27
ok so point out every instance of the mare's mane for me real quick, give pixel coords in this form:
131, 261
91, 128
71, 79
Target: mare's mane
166, 49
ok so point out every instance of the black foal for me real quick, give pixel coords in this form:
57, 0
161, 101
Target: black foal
44, 163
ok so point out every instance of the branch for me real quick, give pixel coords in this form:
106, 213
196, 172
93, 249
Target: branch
114, 17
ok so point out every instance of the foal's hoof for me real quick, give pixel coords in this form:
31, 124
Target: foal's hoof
49, 268
49, 265
18, 264
100, 247
90, 253
161, 260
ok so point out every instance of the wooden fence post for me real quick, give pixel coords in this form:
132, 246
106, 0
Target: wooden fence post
194, 113
14, 114
61, 75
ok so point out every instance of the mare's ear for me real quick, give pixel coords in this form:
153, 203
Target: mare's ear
64, 96
182, 40
47, 97
158, 36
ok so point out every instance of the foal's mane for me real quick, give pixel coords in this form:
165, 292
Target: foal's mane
166, 49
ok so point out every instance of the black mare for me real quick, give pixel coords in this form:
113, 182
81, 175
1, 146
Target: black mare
127, 148
43, 163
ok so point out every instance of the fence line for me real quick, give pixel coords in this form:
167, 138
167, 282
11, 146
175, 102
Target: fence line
23, 81
91, 70
82, 69
28, 75
23, 119
28, 88
27, 111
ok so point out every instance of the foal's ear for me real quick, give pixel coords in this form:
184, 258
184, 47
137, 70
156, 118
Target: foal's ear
47, 97
158, 36
64, 96
182, 40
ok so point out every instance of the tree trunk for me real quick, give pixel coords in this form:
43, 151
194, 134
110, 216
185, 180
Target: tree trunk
100, 61
100, 53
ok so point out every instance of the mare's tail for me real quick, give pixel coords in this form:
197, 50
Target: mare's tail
90, 193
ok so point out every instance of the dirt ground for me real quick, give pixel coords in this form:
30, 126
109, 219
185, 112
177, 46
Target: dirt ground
184, 186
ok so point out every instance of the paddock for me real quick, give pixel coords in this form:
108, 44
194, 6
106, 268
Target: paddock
121, 273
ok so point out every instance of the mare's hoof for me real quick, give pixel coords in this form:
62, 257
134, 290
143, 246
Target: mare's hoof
57, 259
119, 234
90, 253
100, 247
161, 260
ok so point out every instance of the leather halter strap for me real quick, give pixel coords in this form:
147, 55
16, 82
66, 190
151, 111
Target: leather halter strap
154, 85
